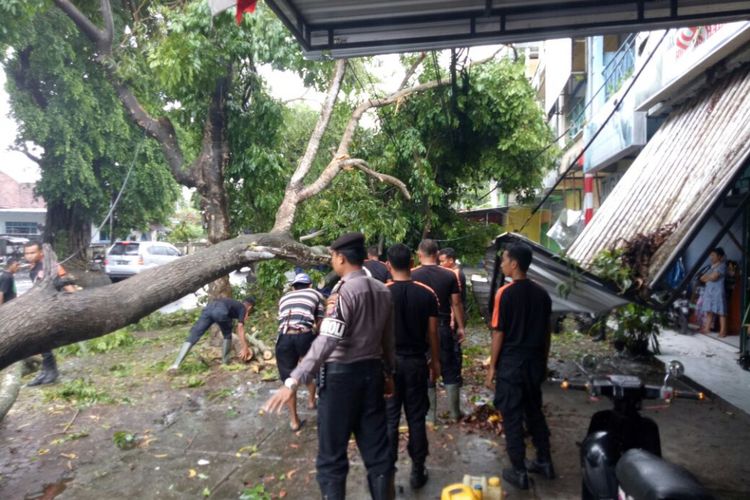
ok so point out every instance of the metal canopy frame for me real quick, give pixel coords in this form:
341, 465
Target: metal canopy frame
351, 28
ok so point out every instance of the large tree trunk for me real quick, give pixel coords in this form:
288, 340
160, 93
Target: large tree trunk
43, 318
210, 167
69, 232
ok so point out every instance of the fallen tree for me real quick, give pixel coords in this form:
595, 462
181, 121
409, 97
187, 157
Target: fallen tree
44, 318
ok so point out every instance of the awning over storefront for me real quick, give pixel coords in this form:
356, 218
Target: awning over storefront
571, 288
690, 164
346, 28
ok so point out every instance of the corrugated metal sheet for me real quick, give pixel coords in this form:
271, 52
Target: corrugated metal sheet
345, 28
571, 289
676, 178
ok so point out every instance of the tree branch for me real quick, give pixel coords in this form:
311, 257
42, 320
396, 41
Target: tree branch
288, 207
160, 129
333, 169
325, 117
101, 38
25, 150
385, 178
410, 72
348, 134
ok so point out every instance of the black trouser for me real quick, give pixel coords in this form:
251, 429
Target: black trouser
518, 397
213, 313
351, 401
451, 356
411, 393
290, 348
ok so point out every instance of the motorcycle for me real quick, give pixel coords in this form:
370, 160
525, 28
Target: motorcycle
679, 313
621, 453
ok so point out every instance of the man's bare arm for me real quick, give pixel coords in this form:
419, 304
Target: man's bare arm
458, 314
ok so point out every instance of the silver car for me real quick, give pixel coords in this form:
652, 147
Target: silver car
127, 258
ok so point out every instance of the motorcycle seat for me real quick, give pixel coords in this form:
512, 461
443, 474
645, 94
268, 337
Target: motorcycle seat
644, 476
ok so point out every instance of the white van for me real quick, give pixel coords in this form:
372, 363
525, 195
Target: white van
127, 258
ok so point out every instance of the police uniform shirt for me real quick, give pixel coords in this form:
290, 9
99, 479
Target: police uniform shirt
522, 312
414, 303
378, 270
235, 309
442, 281
365, 306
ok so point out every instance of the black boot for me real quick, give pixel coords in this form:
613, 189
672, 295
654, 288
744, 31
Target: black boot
517, 477
49, 373
333, 491
382, 487
543, 467
418, 476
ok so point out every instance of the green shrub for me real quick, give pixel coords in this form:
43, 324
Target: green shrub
79, 392
114, 340
159, 321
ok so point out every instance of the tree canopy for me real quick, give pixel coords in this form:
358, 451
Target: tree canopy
64, 105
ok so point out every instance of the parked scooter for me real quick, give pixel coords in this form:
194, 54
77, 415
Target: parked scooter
621, 454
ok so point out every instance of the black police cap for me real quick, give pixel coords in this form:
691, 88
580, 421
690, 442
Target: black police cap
349, 240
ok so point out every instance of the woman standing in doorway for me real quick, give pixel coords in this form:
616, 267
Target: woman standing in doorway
714, 298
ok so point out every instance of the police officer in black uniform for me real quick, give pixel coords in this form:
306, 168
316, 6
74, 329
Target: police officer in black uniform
355, 353
518, 365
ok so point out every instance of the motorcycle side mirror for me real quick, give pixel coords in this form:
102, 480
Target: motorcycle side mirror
675, 369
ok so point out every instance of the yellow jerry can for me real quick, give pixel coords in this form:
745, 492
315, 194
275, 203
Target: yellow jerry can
459, 491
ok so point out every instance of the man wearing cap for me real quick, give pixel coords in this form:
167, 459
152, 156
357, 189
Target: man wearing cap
300, 313
356, 357
223, 312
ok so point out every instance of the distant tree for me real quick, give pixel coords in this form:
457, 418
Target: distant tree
65, 106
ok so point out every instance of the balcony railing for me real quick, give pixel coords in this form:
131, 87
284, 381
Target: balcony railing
575, 118
620, 67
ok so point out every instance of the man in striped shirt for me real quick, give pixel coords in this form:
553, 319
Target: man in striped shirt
300, 313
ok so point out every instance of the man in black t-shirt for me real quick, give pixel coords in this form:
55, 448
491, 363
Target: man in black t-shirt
447, 258
8, 281
518, 365
415, 313
223, 312
377, 269
445, 285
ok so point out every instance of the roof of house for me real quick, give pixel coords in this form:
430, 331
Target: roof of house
691, 161
18, 195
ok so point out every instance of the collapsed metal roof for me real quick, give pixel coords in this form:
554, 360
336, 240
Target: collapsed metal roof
572, 289
689, 165
346, 28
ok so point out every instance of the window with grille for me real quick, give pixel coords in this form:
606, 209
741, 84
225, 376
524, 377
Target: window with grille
21, 228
